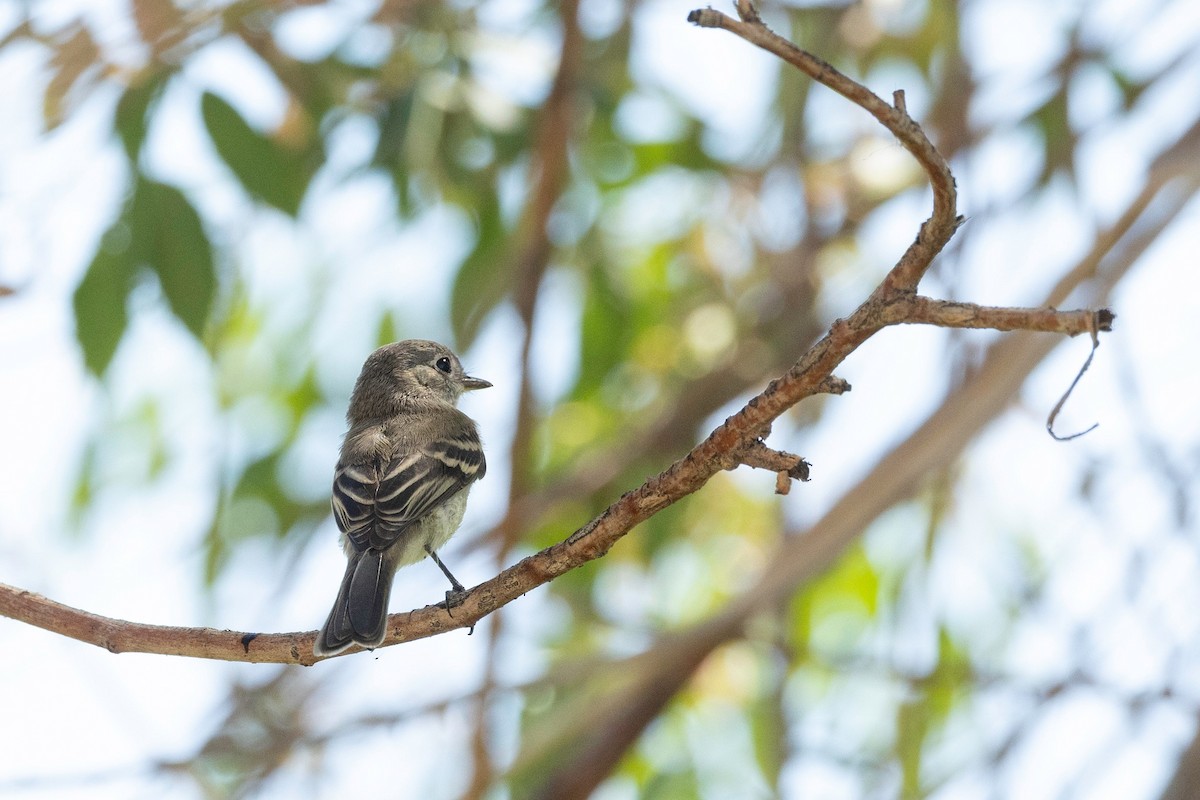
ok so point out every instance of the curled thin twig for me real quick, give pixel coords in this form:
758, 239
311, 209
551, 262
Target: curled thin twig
1098, 325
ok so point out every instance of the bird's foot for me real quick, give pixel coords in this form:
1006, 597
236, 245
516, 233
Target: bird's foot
454, 599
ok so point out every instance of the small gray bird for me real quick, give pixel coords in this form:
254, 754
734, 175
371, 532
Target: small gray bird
401, 484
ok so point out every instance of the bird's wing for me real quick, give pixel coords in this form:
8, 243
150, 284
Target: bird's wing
374, 503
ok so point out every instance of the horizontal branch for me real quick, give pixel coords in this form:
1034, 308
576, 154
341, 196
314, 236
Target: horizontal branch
121, 636
916, 309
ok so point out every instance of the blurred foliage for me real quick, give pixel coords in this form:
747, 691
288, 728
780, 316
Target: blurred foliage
698, 270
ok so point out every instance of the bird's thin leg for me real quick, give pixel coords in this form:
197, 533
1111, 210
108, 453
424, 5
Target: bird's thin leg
455, 595
458, 587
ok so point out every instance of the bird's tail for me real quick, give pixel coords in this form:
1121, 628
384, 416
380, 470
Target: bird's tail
359, 614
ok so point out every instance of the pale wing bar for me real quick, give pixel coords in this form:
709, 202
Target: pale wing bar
373, 505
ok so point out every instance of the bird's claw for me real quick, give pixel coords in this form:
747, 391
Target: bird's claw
454, 599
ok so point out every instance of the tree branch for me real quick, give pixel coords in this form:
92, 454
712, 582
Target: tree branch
936, 231
735, 441
915, 309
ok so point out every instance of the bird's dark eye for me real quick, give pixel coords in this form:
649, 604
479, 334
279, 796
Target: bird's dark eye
443, 364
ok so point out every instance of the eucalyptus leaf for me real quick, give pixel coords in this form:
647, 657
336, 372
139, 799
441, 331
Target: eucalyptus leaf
265, 169
169, 235
99, 303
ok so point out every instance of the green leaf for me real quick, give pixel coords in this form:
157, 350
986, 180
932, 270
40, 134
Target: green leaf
169, 236
85, 491
1053, 121
388, 330
394, 120
769, 733
99, 302
951, 679
131, 119
607, 331
847, 596
266, 171
912, 726
672, 785
484, 275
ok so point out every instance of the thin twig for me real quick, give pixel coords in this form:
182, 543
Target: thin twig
1058, 406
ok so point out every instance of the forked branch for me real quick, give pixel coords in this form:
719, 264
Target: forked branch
736, 441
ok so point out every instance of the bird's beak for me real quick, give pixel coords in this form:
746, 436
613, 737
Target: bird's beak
470, 383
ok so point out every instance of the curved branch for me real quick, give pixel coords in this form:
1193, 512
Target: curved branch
936, 231
893, 302
737, 435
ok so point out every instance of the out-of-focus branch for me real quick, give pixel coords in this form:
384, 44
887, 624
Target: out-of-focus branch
806, 555
1185, 782
550, 175
674, 428
549, 178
